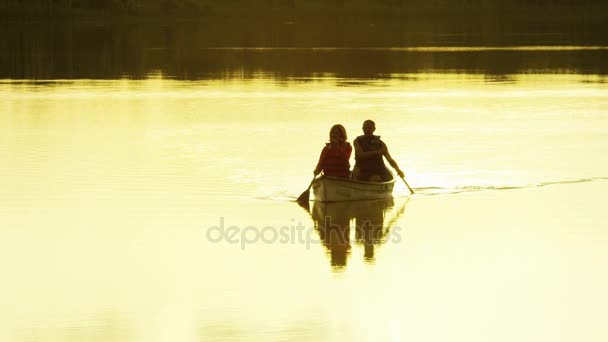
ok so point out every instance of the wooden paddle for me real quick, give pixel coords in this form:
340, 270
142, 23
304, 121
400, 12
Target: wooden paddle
408, 186
303, 199
306, 194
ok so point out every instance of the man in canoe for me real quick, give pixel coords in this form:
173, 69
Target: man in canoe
334, 159
369, 150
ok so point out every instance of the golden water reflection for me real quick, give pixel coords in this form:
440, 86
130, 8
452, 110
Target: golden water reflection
370, 221
107, 189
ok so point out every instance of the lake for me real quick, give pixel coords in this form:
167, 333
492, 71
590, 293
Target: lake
148, 192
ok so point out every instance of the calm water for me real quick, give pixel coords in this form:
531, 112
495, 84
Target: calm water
111, 188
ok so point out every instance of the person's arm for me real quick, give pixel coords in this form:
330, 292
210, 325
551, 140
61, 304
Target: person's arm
391, 161
319, 167
359, 153
348, 150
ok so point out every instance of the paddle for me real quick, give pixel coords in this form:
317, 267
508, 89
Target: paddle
306, 194
303, 199
408, 186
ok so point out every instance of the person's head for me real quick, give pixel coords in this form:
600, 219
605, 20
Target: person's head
337, 133
368, 127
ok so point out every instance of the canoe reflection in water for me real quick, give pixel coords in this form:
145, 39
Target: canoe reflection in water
372, 220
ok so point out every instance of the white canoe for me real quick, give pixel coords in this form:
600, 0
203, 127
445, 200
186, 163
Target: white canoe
335, 189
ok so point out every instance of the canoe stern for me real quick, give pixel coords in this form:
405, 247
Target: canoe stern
333, 189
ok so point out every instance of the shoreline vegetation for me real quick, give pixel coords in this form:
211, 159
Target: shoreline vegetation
194, 39
557, 12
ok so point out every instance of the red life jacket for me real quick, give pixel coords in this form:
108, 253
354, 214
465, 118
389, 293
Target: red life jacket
335, 160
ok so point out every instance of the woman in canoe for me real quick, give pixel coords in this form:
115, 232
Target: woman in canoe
334, 159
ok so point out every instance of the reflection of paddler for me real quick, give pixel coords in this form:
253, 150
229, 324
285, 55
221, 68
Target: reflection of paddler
369, 223
332, 221
333, 225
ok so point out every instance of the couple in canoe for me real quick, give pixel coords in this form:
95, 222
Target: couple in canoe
369, 150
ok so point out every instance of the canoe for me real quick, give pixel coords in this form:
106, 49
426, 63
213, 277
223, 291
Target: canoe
335, 189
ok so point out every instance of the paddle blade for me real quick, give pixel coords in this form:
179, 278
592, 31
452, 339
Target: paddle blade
408, 186
304, 205
304, 196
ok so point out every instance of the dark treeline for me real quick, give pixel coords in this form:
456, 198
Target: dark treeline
194, 39
298, 9
193, 51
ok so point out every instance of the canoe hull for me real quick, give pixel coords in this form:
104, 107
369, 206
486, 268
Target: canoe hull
333, 189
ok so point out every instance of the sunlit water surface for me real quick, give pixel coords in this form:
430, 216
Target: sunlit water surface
109, 190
